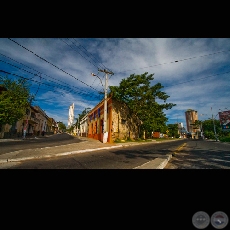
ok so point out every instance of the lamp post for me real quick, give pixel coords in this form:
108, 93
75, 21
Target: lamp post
214, 126
202, 133
105, 132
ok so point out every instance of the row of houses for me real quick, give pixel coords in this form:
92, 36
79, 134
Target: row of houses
35, 122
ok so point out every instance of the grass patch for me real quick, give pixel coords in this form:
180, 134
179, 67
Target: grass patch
224, 139
140, 140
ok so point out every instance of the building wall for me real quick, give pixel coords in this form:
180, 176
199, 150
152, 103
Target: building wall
42, 120
34, 121
120, 124
191, 116
123, 124
28, 122
84, 126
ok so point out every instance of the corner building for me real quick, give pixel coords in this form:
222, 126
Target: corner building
120, 123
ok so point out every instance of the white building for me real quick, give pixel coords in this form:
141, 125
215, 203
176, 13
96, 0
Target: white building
71, 115
84, 126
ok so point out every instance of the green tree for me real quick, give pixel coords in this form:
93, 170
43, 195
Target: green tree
208, 128
61, 126
141, 98
173, 130
80, 116
14, 99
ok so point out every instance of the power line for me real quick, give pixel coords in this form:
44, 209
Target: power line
172, 62
79, 52
51, 64
37, 72
49, 85
87, 55
93, 56
81, 91
82, 56
196, 79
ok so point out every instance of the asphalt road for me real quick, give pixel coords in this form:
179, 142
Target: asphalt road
201, 154
115, 158
51, 141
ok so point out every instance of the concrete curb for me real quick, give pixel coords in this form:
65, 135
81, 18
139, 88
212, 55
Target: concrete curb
158, 163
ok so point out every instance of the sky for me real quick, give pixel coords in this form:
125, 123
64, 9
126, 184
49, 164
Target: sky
194, 72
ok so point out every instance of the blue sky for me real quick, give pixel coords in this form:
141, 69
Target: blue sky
195, 72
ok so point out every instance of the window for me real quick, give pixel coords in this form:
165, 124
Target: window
123, 121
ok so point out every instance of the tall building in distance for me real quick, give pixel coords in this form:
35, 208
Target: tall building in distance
71, 115
191, 116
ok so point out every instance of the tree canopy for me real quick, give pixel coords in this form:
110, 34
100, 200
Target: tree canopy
61, 126
15, 97
80, 116
141, 97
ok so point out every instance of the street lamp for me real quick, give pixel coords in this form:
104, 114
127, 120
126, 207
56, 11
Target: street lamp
98, 78
214, 126
105, 133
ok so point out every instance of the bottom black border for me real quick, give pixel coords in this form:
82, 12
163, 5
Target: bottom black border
159, 199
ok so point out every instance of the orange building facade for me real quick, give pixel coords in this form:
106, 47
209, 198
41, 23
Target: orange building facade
119, 122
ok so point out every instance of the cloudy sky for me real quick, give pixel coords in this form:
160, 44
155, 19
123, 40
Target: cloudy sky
195, 72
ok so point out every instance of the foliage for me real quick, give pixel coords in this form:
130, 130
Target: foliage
225, 139
209, 134
14, 100
208, 125
61, 126
80, 116
138, 94
177, 135
208, 130
173, 130
70, 129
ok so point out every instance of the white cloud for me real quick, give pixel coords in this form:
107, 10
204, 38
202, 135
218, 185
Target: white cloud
198, 58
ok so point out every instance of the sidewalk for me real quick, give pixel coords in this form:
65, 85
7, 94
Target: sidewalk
87, 145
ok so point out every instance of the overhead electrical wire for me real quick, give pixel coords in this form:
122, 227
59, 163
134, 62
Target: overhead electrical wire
51, 63
93, 56
41, 73
78, 52
81, 91
172, 62
89, 57
49, 85
197, 79
82, 56
152, 65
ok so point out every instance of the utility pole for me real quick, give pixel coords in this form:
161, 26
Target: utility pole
105, 135
214, 127
105, 132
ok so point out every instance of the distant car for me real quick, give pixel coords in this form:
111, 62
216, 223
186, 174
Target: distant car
189, 135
